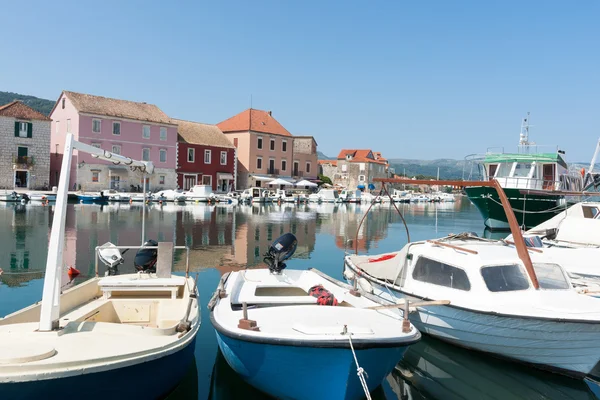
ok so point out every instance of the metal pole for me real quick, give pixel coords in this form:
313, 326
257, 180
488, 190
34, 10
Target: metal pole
144, 208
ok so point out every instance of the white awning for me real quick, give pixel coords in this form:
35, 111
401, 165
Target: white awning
262, 178
221, 175
306, 183
280, 181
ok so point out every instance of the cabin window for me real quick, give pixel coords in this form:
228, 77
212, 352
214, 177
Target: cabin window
590, 212
550, 276
441, 274
504, 170
493, 168
504, 278
522, 170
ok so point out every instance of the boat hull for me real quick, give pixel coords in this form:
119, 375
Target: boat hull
146, 380
530, 210
303, 372
567, 347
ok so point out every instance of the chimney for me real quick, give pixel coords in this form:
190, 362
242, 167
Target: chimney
269, 112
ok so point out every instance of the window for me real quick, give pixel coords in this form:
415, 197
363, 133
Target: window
97, 145
163, 133
550, 276
191, 155
23, 128
95, 176
522, 169
162, 155
344, 168
116, 148
283, 165
259, 144
145, 154
161, 179
258, 163
57, 125
63, 103
96, 125
223, 158
272, 166
68, 125
284, 146
361, 178
207, 180
272, 144
361, 166
493, 168
207, 156
115, 181
235, 142
116, 128
308, 168
441, 274
504, 278
146, 132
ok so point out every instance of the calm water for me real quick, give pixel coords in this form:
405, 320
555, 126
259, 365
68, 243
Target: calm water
225, 239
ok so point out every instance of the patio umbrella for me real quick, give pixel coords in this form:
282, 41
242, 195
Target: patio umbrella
280, 181
306, 183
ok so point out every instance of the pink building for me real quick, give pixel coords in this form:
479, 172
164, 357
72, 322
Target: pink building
137, 130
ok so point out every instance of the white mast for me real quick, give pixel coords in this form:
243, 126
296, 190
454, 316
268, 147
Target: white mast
50, 309
593, 162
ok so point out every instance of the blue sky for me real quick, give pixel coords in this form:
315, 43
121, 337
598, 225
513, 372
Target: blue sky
419, 79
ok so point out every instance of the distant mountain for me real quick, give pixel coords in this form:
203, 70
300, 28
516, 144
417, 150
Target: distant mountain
42, 105
322, 156
448, 168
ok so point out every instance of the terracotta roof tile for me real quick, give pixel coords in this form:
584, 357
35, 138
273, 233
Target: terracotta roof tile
198, 133
360, 155
254, 120
16, 109
332, 162
87, 103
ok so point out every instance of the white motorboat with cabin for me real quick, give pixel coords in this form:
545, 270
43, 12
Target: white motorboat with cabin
171, 195
291, 332
200, 194
325, 195
350, 196
9, 195
512, 304
256, 195
116, 196
107, 329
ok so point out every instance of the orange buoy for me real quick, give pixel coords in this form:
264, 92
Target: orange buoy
73, 272
582, 171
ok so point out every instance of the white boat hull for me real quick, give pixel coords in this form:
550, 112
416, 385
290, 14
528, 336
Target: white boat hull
571, 348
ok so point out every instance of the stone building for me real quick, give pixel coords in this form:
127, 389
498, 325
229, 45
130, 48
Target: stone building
357, 169
25, 144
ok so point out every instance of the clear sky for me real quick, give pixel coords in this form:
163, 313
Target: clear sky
418, 79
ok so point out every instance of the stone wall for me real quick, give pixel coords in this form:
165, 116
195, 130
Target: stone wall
38, 147
85, 174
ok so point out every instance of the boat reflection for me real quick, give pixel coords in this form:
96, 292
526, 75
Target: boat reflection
432, 369
188, 387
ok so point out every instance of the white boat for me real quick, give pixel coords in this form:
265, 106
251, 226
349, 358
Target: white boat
107, 329
256, 195
199, 194
494, 305
350, 196
325, 195
171, 195
8, 195
283, 196
115, 196
43, 197
307, 329
367, 198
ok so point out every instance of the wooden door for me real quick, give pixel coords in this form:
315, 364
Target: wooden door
549, 176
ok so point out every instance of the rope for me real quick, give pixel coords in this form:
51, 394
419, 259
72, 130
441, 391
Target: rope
532, 212
359, 371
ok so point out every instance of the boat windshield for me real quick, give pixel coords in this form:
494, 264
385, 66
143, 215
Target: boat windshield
504, 170
550, 276
504, 278
441, 274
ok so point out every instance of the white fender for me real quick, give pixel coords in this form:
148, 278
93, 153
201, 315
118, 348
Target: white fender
365, 285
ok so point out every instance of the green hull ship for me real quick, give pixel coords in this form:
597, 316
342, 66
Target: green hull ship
534, 182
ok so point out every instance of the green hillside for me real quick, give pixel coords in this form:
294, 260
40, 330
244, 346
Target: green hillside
42, 105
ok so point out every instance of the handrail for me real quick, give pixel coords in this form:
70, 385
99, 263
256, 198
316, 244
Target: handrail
510, 215
187, 255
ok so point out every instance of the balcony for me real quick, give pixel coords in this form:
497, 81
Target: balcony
299, 174
272, 171
22, 162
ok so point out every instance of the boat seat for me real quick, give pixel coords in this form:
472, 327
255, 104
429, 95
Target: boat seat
140, 283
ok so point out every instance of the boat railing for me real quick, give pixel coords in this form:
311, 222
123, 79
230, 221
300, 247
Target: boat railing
523, 182
187, 254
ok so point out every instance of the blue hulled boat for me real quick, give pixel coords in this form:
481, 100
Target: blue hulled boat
293, 334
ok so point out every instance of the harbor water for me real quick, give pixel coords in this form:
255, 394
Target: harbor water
225, 238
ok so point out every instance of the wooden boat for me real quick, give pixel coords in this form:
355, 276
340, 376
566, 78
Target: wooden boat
111, 330
273, 332
504, 302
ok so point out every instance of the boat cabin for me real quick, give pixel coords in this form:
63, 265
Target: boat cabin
543, 171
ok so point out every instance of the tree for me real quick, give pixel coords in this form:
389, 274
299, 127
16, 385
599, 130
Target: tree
324, 179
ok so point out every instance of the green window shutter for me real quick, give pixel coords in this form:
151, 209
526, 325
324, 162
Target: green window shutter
29, 129
16, 128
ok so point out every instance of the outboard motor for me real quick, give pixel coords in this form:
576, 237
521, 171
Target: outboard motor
279, 251
24, 197
145, 259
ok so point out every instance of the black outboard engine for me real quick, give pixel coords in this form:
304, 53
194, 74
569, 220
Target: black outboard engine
145, 259
24, 196
279, 251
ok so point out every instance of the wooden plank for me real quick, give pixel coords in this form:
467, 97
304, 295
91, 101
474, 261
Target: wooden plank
438, 243
535, 250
